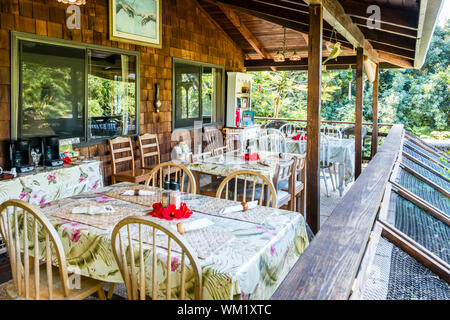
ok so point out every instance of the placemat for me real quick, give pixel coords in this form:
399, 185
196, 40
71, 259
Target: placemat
101, 221
204, 241
147, 201
257, 215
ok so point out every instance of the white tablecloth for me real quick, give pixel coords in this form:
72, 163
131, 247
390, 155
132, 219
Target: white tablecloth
341, 151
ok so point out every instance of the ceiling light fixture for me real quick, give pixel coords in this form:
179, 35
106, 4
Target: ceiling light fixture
295, 56
280, 56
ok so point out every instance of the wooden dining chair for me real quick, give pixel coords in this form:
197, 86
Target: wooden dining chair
149, 151
246, 185
298, 181
134, 268
283, 175
24, 228
122, 153
171, 171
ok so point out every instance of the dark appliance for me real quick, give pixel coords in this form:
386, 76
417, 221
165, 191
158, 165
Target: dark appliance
19, 154
51, 152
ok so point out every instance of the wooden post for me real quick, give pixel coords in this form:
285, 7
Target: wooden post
313, 117
374, 148
358, 111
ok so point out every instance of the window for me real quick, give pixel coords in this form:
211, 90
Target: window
198, 94
73, 90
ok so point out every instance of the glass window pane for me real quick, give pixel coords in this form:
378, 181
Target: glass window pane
111, 94
208, 94
51, 90
187, 84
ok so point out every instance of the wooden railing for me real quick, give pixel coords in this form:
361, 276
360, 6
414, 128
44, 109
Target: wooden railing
324, 121
328, 267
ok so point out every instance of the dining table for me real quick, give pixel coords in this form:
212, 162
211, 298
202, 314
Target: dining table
243, 255
341, 153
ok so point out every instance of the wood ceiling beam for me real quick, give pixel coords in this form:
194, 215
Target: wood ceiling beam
335, 15
246, 33
342, 60
297, 21
395, 60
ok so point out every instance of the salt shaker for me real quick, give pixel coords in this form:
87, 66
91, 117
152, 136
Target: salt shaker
175, 199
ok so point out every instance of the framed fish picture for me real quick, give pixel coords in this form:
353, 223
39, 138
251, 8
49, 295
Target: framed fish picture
136, 21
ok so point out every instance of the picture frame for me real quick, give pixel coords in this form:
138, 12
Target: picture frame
136, 22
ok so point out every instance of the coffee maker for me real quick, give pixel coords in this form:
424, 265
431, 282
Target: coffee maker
19, 154
51, 152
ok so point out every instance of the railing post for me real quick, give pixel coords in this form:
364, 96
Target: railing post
358, 111
374, 147
313, 117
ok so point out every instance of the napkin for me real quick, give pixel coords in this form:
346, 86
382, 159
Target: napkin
193, 225
239, 207
140, 193
189, 226
93, 210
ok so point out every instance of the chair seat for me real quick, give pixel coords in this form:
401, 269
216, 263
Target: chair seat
87, 287
284, 185
133, 175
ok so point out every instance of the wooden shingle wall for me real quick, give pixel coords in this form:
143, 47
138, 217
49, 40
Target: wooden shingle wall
188, 33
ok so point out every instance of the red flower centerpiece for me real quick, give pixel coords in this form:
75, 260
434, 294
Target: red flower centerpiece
171, 212
297, 137
252, 157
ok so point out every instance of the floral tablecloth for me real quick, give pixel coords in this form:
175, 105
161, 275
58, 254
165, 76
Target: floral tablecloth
52, 184
250, 266
231, 162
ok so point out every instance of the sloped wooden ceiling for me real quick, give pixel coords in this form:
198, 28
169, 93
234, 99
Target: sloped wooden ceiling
396, 41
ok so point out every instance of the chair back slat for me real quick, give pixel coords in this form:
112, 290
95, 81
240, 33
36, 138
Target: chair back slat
117, 149
154, 267
125, 274
36, 260
141, 266
149, 157
258, 179
171, 171
125, 262
48, 258
26, 261
134, 289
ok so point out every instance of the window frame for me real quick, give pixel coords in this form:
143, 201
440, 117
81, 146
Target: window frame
220, 112
15, 78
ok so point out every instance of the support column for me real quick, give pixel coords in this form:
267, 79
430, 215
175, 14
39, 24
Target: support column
374, 148
313, 117
358, 111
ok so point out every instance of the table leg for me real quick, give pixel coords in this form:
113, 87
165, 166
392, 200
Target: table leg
341, 169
